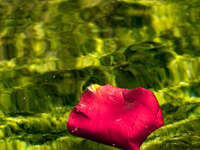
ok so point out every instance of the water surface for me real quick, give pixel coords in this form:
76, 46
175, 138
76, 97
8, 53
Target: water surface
51, 50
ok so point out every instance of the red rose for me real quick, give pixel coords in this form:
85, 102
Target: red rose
119, 117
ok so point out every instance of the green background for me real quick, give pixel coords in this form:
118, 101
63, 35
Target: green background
51, 50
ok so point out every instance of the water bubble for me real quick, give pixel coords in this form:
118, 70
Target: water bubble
82, 105
76, 129
117, 120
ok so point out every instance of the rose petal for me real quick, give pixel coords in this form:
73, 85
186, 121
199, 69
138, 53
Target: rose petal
118, 117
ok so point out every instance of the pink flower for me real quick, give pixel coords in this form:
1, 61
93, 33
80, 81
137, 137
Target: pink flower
118, 117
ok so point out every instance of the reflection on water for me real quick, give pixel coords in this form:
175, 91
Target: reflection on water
51, 50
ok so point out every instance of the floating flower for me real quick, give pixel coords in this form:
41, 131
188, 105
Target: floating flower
118, 117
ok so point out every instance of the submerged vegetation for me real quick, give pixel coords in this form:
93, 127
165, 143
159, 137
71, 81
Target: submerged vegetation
51, 50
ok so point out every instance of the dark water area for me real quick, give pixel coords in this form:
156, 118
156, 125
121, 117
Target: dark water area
52, 50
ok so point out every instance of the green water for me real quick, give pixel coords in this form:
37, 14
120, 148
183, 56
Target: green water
51, 50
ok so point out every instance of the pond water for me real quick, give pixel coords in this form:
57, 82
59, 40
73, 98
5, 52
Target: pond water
52, 50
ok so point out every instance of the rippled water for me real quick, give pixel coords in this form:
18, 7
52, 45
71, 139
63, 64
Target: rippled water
51, 50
